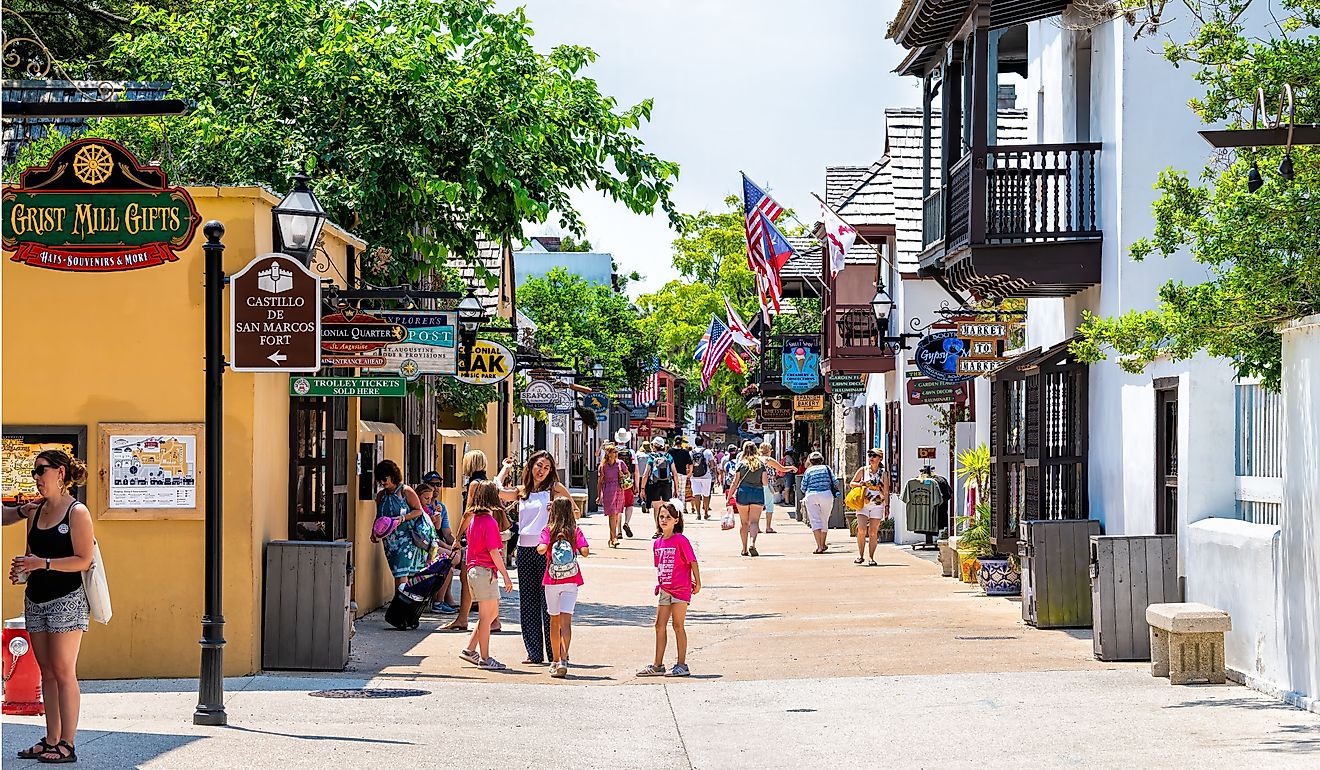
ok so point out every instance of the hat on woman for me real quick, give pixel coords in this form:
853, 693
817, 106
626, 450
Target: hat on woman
383, 526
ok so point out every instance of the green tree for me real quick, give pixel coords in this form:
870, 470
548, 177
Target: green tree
67, 38
1261, 249
584, 323
425, 125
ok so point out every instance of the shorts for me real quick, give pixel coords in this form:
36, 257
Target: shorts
561, 597
659, 492
750, 496
667, 599
482, 582
59, 615
819, 506
872, 512
701, 487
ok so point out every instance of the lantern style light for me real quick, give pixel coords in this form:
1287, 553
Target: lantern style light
299, 218
882, 305
471, 315
598, 371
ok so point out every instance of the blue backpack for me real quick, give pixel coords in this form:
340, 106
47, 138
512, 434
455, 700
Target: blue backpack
563, 563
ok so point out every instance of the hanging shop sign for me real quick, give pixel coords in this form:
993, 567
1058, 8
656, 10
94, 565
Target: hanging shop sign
429, 347
775, 412
992, 330
599, 403
937, 356
95, 209
801, 364
808, 407
349, 331
845, 383
275, 316
638, 413
923, 391
356, 362
489, 363
540, 394
383, 387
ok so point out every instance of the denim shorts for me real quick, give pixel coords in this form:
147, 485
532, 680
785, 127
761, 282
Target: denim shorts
750, 496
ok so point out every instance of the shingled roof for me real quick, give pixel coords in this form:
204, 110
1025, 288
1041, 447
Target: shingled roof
490, 255
840, 181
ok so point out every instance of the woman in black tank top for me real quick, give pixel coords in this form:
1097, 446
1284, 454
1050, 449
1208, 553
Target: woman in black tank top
59, 549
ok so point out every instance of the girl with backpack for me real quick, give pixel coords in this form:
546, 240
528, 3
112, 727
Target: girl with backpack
658, 480
485, 560
561, 545
677, 580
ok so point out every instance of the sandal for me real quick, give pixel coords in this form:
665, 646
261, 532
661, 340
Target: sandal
39, 748
859, 560
872, 563
744, 553
752, 551
771, 532
471, 656
61, 753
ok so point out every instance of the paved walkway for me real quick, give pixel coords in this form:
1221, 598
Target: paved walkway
799, 661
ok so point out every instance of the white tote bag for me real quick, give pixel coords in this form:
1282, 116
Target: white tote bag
97, 587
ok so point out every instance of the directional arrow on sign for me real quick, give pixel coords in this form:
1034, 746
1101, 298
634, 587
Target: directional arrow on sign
277, 357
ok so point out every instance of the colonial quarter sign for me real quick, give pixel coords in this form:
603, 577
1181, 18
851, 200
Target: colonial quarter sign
275, 309
93, 208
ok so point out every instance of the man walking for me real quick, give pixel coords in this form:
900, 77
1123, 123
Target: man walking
703, 477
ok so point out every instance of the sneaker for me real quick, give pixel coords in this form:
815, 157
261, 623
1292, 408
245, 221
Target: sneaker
558, 670
627, 530
652, 671
490, 664
471, 656
679, 669
443, 609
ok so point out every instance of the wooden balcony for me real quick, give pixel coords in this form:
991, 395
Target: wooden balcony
852, 341
711, 418
1024, 223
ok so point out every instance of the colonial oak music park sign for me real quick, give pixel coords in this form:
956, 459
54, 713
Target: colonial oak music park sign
94, 208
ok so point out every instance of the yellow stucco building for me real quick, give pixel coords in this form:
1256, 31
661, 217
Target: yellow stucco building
91, 349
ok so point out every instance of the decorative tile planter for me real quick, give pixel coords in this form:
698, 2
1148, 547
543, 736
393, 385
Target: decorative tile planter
997, 577
967, 566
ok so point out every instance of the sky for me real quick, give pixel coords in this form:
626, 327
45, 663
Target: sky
777, 88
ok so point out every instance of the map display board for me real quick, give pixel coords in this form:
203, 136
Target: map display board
153, 471
20, 446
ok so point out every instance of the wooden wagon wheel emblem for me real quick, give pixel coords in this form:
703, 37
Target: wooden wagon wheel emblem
93, 164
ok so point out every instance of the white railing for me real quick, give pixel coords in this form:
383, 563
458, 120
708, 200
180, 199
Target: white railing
1259, 453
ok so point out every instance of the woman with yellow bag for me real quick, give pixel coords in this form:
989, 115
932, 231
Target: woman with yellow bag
866, 497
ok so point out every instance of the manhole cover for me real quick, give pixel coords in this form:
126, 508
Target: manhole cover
984, 638
369, 692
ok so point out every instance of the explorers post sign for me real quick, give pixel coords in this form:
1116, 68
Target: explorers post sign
93, 208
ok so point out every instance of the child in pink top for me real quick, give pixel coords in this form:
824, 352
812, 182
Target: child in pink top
561, 543
485, 559
677, 580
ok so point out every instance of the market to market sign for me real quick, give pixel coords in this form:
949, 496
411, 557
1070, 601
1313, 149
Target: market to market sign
94, 208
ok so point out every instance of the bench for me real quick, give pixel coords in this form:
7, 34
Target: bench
1187, 642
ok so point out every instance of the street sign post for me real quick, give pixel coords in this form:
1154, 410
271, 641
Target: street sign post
348, 386
275, 316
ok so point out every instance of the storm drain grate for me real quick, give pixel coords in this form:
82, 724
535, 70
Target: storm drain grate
369, 692
985, 638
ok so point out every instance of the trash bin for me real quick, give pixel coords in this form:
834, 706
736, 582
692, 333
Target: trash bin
308, 613
1128, 574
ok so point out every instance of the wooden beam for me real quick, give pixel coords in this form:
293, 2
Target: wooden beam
128, 109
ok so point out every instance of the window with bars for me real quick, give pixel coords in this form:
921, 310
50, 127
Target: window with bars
1258, 456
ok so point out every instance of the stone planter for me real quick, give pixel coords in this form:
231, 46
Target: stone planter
967, 566
998, 577
947, 558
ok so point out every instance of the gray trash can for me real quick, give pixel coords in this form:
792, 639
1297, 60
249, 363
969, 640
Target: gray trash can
308, 613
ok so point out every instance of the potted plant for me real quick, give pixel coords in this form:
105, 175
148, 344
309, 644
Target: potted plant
886, 530
997, 575
973, 542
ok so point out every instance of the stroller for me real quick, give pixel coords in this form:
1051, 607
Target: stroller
411, 599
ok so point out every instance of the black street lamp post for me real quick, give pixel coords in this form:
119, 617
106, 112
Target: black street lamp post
299, 218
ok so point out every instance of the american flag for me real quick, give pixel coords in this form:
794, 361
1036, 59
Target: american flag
767, 248
650, 391
731, 359
721, 339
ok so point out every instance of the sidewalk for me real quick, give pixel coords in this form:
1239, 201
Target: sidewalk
799, 661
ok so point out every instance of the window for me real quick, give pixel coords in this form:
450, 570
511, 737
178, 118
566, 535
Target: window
1259, 453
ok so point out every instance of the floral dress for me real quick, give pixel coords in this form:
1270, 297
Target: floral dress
408, 547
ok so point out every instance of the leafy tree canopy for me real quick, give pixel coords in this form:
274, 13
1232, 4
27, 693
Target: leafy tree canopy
1261, 249
425, 125
585, 323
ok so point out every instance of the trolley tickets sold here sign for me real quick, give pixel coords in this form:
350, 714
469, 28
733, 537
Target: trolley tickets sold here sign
94, 208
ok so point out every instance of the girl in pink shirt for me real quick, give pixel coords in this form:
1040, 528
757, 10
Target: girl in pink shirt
561, 545
677, 579
485, 559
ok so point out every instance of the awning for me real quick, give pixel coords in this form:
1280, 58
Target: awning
466, 433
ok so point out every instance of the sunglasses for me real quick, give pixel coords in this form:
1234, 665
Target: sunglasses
38, 470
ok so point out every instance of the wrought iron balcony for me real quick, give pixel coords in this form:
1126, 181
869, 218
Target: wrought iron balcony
852, 342
1022, 223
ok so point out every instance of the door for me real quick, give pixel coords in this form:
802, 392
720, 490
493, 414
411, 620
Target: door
1166, 456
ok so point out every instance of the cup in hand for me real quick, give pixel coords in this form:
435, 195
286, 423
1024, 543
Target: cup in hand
17, 574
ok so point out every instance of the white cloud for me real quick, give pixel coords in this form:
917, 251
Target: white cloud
777, 88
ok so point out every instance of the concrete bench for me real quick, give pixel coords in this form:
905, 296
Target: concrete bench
1187, 642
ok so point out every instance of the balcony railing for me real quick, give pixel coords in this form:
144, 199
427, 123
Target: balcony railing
1041, 192
932, 218
958, 227
854, 327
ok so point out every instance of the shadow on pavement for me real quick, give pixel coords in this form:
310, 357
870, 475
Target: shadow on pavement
374, 741
96, 748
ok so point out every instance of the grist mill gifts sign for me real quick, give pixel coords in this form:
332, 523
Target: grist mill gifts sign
94, 209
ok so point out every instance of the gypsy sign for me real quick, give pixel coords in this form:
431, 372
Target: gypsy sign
937, 356
93, 208
801, 364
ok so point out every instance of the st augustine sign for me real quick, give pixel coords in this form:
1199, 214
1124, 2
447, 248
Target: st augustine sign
94, 208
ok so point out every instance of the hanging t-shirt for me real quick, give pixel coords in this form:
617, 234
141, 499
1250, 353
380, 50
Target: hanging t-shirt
923, 499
